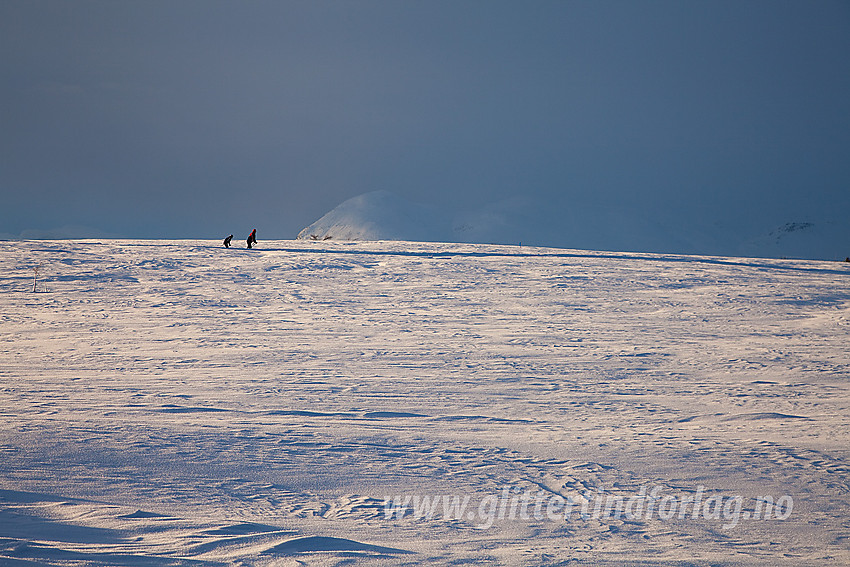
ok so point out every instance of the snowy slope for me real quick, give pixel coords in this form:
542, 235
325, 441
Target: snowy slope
177, 403
381, 215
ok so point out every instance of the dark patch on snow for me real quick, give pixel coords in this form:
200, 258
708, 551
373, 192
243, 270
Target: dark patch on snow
243, 529
188, 409
318, 544
308, 413
142, 515
764, 415
390, 414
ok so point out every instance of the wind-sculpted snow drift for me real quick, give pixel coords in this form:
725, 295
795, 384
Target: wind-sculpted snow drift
399, 403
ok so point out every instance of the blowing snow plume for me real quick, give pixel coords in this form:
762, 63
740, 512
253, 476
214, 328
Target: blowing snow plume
379, 215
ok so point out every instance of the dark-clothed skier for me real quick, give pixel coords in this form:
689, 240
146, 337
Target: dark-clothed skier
252, 238
227, 241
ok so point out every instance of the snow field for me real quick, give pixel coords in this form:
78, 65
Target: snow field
173, 402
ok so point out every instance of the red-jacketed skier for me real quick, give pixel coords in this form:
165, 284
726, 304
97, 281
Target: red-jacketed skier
252, 238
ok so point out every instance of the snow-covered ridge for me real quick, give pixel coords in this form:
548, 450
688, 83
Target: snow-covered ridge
381, 215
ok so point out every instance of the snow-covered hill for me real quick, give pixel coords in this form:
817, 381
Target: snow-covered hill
381, 215
403, 403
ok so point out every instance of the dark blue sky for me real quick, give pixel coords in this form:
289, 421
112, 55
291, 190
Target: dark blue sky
202, 118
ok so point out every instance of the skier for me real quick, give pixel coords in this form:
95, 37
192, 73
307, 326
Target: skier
252, 238
227, 241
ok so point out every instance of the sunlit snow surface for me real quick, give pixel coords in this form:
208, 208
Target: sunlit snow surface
175, 402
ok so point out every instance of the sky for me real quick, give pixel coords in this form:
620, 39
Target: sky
198, 119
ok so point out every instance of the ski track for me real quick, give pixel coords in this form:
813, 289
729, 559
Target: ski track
178, 403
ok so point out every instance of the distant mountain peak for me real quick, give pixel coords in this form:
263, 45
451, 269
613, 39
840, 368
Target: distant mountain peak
792, 227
